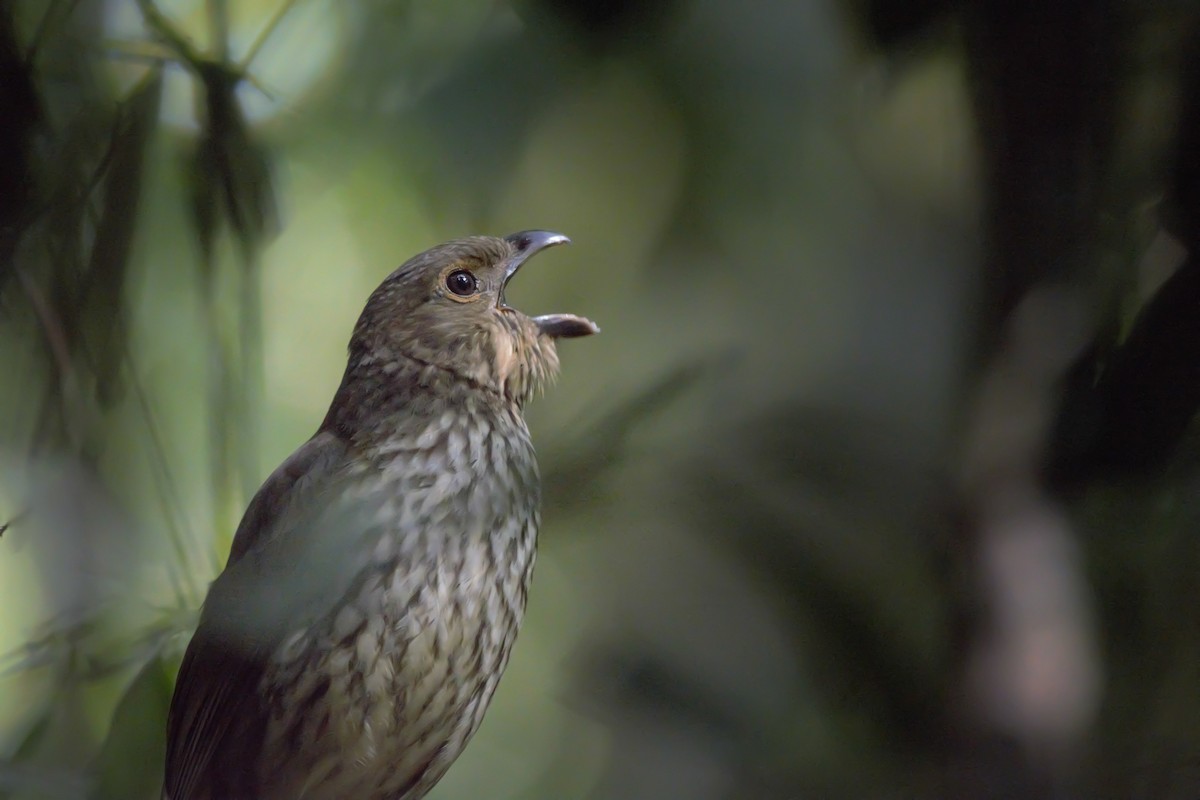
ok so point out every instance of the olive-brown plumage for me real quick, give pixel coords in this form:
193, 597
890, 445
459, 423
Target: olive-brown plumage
379, 576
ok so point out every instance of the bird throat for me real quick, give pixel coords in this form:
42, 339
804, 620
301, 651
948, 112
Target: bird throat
524, 362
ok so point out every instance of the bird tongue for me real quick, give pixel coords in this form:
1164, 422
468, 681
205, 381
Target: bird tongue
565, 326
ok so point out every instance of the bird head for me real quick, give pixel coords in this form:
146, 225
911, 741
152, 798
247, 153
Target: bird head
445, 310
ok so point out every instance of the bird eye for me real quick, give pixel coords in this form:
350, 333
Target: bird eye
462, 283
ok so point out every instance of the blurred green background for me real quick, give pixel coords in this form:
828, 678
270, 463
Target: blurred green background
879, 483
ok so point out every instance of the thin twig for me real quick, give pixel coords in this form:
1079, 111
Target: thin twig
43, 28
218, 15
252, 371
13, 520
135, 52
94, 180
177, 521
165, 31
56, 336
265, 33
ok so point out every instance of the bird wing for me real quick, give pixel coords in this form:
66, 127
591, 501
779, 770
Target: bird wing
291, 487
216, 705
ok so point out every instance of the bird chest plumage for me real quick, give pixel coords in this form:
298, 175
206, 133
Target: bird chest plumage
395, 678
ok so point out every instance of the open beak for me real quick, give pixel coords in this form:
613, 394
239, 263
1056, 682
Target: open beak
558, 326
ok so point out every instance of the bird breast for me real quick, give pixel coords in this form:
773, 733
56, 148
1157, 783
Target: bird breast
398, 677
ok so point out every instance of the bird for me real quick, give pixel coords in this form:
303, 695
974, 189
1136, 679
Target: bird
378, 578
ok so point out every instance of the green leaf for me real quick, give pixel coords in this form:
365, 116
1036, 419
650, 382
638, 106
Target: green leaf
130, 762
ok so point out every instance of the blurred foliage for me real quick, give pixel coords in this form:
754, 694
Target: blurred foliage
881, 481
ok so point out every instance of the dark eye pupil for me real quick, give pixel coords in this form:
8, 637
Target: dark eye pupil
461, 282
